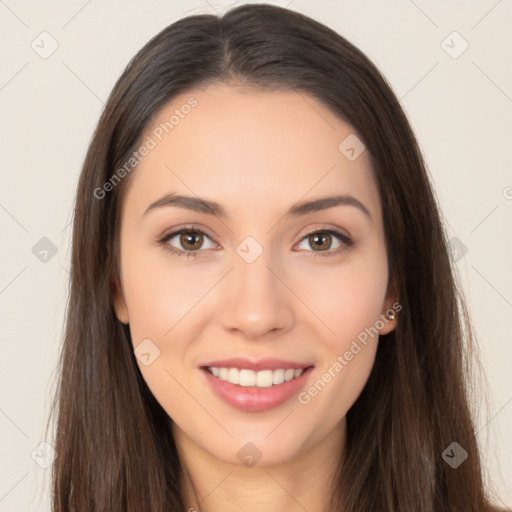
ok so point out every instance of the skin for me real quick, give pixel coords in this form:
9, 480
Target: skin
257, 153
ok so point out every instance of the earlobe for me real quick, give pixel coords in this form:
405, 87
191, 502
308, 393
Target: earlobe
390, 313
389, 319
119, 302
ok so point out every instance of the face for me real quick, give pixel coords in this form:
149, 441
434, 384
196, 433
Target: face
254, 278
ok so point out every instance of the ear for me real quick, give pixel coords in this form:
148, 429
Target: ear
391, 306
119, 301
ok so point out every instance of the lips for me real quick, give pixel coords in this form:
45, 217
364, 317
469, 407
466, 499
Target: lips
256, 398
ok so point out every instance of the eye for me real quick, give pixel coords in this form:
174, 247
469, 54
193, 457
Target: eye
191, 241
322, 239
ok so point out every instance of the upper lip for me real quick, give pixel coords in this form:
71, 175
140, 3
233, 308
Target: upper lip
267, 363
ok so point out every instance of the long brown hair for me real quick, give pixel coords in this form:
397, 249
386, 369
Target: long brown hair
115, 450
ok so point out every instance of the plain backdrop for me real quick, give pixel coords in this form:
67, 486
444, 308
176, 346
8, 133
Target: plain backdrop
448, 62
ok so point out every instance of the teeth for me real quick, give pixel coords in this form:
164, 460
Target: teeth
278, 377
261, 379
233, 375
264, 378
246, 378
289, 375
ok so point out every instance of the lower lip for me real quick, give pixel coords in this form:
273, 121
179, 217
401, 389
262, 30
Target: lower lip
252, 398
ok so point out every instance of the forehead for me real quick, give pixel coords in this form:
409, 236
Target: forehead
250, 148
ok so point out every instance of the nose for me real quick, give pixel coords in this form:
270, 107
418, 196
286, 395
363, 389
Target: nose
257, 301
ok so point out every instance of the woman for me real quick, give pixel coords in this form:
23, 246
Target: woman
263, 312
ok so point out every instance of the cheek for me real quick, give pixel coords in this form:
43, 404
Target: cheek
161, 293
347, 300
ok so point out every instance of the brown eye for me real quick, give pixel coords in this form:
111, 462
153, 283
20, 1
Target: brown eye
186, 242
321, 242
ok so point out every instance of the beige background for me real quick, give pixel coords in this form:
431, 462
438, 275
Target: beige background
460, 109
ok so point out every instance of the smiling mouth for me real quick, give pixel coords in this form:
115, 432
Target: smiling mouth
260, 379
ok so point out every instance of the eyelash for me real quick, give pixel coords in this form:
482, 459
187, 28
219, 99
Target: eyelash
345, 240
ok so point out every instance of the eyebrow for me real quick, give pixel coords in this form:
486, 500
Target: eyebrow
206, 206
